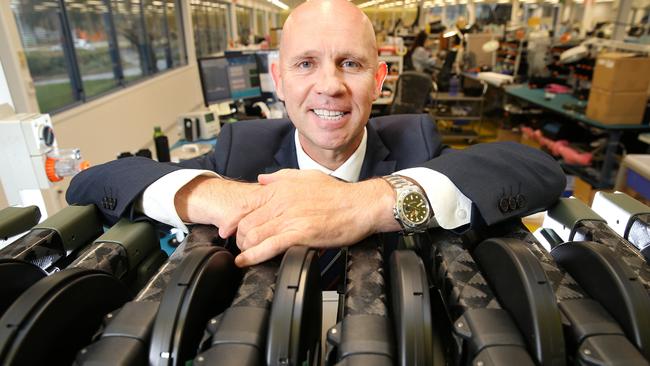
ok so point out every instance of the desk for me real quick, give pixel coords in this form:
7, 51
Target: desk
635, 174
184, 150
603, 178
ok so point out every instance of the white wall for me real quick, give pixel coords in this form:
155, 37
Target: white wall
5, 96
124, 121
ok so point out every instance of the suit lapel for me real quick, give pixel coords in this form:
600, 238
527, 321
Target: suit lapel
285, 157
374, 162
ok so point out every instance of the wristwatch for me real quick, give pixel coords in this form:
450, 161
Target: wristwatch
412, 208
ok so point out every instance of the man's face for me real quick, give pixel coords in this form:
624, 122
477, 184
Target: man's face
328, 78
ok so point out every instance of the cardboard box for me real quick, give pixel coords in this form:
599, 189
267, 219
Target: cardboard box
621, 72
616, 108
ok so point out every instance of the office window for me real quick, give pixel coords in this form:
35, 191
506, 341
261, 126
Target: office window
40, 30
244, 24
493, 13
89, 24
79, 49
175, 31
262, 28
157, 29
211, 27
129, 38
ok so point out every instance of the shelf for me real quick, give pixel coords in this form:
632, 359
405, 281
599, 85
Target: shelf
457, 118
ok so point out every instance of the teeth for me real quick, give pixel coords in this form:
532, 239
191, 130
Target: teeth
327, 114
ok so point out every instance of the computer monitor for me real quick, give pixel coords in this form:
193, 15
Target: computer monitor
244, 77
227, 78
213, 72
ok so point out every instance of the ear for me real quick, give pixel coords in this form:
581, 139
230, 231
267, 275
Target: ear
277, 80
380, 76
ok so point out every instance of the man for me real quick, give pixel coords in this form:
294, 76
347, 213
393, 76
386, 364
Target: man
328, 77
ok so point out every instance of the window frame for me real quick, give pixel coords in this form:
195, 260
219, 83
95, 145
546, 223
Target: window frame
73, 68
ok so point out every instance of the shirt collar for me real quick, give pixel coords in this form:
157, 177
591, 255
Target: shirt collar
348, 171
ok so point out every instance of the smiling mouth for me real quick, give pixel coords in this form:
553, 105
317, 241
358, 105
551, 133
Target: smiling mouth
329, 115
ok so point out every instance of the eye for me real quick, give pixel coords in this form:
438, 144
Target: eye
350, 64
305, 64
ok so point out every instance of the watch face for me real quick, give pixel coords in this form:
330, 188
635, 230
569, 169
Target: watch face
415, 209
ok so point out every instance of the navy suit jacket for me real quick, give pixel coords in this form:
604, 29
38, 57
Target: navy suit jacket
503, 179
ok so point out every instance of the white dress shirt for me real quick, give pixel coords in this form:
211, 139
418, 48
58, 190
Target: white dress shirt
451, 207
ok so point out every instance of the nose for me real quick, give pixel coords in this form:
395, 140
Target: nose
330, 81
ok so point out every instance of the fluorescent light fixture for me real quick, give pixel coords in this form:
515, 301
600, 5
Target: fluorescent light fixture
280, 4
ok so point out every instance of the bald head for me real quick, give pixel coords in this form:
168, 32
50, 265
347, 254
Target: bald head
333, 15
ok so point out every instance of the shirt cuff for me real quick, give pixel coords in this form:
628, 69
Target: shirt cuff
450, 206
157, 200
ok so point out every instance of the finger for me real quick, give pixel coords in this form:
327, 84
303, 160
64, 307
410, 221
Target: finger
256, 235
229, 225
250, 222
267, 249
226, 231
274, 177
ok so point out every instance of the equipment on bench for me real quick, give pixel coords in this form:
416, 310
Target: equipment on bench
296, 313
238, 336
47, 247
480, 329
17, 220
609, 268
130, 330
76, 299
627, 216
591, 335
364, 335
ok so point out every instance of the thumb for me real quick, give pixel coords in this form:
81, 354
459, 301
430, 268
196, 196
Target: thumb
274, 177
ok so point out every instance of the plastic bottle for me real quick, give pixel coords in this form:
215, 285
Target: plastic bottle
162, 145
454, 85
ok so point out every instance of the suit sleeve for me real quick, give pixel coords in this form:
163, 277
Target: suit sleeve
502, 179
115, 186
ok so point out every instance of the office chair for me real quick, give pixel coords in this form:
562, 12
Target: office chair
411, 92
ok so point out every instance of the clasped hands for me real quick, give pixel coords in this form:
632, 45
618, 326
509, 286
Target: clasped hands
286, 208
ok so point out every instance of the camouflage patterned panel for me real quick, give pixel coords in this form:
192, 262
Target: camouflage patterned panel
365, 293
639, 234
108, 257
564, 286
463, 285
599, 232
41, 247
258, 286
201, 235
